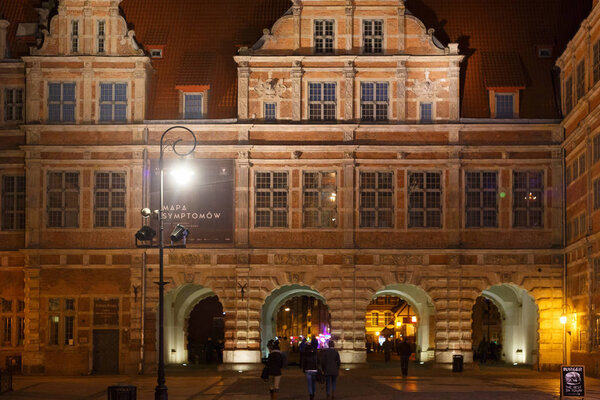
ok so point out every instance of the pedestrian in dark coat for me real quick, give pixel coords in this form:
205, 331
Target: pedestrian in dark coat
405, 352
301, 348
330, 364
274, 364
388, 346
310, 367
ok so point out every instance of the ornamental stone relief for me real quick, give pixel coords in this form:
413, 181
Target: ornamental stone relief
427, 88
271, 88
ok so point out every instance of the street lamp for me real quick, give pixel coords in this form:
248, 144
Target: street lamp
160, 393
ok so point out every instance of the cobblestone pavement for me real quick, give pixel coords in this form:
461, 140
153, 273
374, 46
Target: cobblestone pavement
378, 381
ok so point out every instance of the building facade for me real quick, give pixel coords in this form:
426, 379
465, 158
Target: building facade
346, 154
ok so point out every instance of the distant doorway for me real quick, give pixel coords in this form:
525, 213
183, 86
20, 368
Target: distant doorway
206, 332
106, 351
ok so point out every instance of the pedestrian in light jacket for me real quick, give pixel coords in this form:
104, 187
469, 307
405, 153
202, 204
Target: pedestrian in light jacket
330, 364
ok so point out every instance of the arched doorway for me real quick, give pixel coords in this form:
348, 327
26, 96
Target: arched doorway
179, 304
293, 311
205, 332
507, 315
402, 311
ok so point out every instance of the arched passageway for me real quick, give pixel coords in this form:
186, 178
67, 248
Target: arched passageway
179, 304
508, 316
293, 310
408, 314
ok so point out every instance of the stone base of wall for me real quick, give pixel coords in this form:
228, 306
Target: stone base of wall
241, 356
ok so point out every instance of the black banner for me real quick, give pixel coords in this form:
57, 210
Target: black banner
198, 194
572, 381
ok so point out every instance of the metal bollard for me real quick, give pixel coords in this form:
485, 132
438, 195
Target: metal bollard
122, 392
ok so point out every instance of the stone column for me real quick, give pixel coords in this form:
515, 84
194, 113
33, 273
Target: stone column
297, 90
401, 85
347, 195
454, 89
35, 92
297, 11
34, 179
348, 100
556, 191
33, 358
349, 27
243, 82
550, 331
139, 95
401, 27
3, 42
242, 166
87, 82
453, 217
350, 315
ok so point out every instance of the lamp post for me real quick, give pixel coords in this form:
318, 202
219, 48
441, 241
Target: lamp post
160, 393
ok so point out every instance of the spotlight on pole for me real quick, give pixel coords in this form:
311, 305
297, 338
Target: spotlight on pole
145, 234
178, 233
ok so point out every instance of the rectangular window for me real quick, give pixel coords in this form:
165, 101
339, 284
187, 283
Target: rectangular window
425, 112
321, 101
575, 169
75, 36
101, 35
575, 227
271, 201
53, 329
109, 199
374, 101
13, 104
13, 202
6, 331
323, 36
6, 306
373, 36
569, 233
69, 329
596, 148
597, 194
505, 106
582, 166
424, 200
528, 199
113, 102
375, 319
582, 225
61, 102
568, 95
20, 331
568, 175
481, 199
580, 79
270, 111
63, 199
193, 106
596, 65
376, 204
319, 199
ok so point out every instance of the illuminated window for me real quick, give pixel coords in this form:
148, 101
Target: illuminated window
75, 36
63, 199
374, 101
375, 319
321, 101
109, 199
528, 199
101, 36
319, 199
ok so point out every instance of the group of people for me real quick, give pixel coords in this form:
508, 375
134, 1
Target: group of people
488, 350
316, 363
209, 352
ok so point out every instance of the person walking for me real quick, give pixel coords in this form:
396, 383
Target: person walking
330, 364
309, 365
284, 347
301, 348
482, 349
405, 351
274, 365
388, 346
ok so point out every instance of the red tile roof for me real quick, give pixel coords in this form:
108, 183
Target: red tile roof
16, 12
216, 27
502, 70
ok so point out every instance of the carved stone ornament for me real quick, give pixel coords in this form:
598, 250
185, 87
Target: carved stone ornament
243, 155
271, 88
296, 154
427, 88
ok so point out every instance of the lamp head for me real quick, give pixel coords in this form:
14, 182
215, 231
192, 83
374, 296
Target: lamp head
178, 233
146, 212
145, 234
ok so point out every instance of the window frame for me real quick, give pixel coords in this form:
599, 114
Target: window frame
596, 65
324, 43
13, 197
373, 43
267, 116
15, 110
61, 102
59, 332
202, 113
272, 191
568, 95
425, 190
481, 208
377, 191
580, 74
110, 209
321, 103
63, 191
113, 103
321, 209
529, 208
101, 36
377, 105
11, 316
75, 28
422, 104
501, 109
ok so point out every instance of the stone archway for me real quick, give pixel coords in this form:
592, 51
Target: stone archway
519, 322
272, 304
422, 304
179, 303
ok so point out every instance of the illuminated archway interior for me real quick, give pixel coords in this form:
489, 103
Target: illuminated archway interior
179, 304
410, 316
306, 314
517, 315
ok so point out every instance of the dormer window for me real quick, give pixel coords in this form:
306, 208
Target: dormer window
505, 105
323, 36
373, 36
156, 53
101, 36
426, 112
75, 36
193, 105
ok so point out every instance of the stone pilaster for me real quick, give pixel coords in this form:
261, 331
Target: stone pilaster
452, 197
243, 82
3, 42
347, 206
401, 85
556, 210
243, 200
401, 27
35, 92
454, 90
348, 100
139, 94
297, 11
87, 76
349, 26
34, 200
297, 91
33, 358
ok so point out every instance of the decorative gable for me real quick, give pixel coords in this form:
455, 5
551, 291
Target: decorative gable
90, 27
